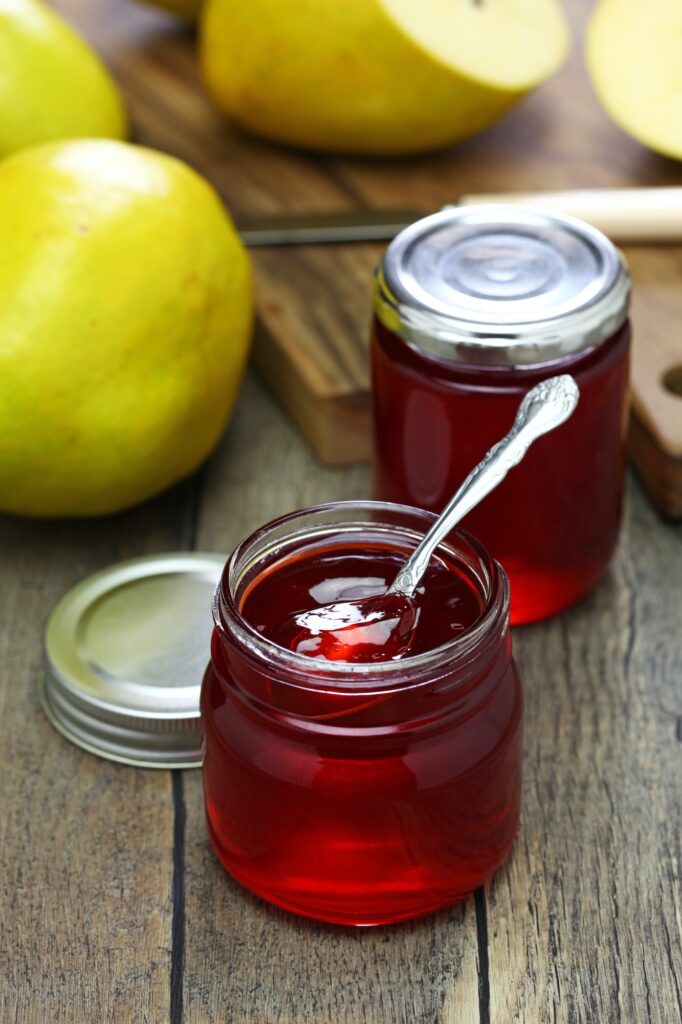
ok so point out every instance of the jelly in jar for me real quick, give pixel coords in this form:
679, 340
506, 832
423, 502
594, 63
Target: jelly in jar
472, 308
361, 793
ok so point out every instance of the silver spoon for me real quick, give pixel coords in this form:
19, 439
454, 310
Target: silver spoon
360, 630
546, 406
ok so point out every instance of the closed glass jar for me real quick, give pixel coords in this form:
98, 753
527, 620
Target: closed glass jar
359, 793
472, 308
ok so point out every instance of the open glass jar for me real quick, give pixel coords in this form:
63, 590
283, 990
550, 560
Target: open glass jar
472, 308
359, 793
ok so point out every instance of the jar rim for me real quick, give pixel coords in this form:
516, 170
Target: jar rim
376, 676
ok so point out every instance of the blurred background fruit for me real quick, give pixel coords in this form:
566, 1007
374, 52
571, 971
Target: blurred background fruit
188, 10
52, 84
634, 58
376, 76
125, 315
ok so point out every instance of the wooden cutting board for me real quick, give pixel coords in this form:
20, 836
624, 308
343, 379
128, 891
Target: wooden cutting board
314, 302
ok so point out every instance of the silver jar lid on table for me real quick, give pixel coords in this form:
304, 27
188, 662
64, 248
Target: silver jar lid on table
125, 652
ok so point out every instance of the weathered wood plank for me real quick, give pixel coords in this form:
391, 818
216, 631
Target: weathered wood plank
584, 923
85, 845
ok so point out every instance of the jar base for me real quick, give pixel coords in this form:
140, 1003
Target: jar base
333, 915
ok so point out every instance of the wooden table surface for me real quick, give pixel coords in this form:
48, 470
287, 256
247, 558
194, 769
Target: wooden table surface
115, 911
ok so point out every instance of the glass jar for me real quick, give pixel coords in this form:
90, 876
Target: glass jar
354, 793
472, 308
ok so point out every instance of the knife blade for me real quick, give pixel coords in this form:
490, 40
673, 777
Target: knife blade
635, 215
313, 228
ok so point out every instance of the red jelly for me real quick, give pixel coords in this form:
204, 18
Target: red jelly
474, 307
380, 628
361, 792
343, 612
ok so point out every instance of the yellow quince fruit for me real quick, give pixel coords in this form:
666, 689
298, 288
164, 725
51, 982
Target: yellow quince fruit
125, 316
634, 58
376, 76
52, 84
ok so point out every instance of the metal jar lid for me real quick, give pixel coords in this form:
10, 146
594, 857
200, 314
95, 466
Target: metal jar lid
502, 286
125, 653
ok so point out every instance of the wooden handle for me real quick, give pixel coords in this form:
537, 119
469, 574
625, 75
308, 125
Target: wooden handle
624, 214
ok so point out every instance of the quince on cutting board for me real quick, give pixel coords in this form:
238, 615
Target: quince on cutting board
125, 315
52, 84
376, 76
634, 58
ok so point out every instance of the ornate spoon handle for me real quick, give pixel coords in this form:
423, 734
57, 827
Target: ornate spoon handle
545, 407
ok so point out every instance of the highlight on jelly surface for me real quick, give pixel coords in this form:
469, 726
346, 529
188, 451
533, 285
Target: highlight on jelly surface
378, 628
333, 604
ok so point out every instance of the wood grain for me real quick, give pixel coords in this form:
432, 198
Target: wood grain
655, 439
85, 845
659, 471
586, 918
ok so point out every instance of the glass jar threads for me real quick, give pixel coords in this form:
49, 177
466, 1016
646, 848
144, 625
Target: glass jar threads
473, 306
361, 793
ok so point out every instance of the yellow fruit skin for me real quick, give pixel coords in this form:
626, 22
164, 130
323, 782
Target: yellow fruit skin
125, 317
337, 76
188, 10
52, 84
633, 53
